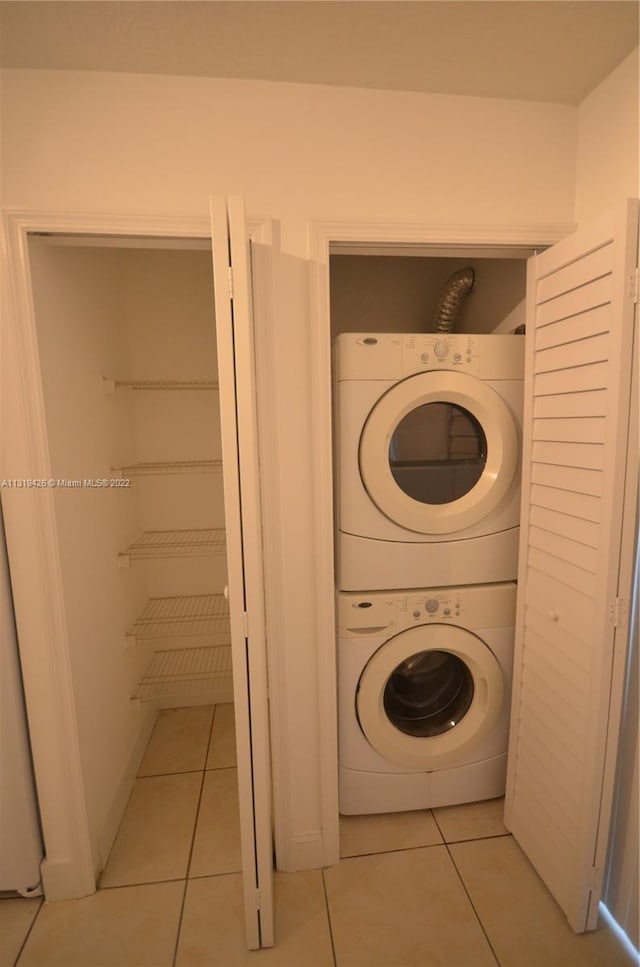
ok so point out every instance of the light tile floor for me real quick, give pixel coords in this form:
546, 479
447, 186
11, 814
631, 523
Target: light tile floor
446, 886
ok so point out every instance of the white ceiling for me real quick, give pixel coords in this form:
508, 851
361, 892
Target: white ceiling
548, 50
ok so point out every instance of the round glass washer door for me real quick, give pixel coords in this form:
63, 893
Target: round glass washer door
428, 696
438, 452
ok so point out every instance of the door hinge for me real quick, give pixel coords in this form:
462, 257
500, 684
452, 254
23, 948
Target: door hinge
634, 284
230, 277
618, 611
594, 879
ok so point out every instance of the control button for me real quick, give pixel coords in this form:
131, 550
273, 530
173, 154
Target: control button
424, 357
431, 606
416, 614
369, 341
457, 357
441, 349
447, 612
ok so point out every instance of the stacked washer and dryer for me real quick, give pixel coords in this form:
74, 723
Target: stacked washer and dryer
428, 432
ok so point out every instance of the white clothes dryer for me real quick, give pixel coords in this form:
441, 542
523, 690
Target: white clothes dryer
424, 695
428, 430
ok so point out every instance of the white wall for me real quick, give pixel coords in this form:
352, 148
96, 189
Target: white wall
607, 153
79, 315
147, 143
161, 145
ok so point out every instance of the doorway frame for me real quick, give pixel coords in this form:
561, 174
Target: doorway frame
71, 863
384, 238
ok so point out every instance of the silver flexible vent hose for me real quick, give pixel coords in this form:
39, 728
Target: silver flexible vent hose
455, 289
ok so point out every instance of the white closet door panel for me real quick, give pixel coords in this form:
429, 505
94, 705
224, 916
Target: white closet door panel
588, 430
548, 758
568, 478
566, 647
540, 741
238, 420
586, 403
563, 525
567, 355
569, 652
576, 274
576, 577
564, 548
559, 802
561, 659
587, 456
538, 827
549, 700
569, 609
553, 806
568, 778
595, 376
580, 326
581, 300
575, 505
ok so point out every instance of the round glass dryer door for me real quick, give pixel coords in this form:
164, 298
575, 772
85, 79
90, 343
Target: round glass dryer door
438, 452
429, 696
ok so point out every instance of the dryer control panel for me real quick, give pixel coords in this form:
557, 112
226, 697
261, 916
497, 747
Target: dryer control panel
387, 612
394, 356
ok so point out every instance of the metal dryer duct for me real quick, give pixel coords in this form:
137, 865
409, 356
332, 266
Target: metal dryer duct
457, 286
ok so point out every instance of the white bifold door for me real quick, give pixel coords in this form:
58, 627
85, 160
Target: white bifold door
575, 571
236, 377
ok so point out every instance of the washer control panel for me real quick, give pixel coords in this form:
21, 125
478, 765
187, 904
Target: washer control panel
436, 605
384, 613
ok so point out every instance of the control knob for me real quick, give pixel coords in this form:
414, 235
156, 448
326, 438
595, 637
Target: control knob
441, 349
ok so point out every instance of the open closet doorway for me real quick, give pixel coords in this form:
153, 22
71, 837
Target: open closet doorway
125, 605
599, 262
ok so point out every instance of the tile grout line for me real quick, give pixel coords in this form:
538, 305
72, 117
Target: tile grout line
459, 875
473, 907
326, 903
28, 933
193, 839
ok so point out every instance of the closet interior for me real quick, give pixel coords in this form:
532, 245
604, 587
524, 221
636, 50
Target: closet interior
127, 346
392, 291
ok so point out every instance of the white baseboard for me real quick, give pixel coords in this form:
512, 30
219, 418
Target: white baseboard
306, 852
123, 791
63, 880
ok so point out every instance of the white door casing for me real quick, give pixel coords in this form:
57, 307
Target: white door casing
71, 864
236, 369
73, 857
571, 628
344, 236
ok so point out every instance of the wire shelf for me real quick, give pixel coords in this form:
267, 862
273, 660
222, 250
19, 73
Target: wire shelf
167, 384
186, 672
177, 543
186, 615
170, 467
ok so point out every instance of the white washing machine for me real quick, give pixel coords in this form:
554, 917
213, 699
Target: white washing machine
424, 694
428, 430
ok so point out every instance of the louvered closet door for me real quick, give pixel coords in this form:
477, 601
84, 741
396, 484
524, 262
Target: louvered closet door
570, 645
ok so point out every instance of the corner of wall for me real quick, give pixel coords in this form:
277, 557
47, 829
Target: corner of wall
607, 142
